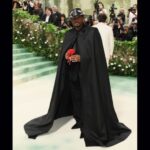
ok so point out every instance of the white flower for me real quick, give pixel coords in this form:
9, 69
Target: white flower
40, 47
114, 56
27, 24
35, 30
33, 37
133, 61
21, 33
19, 27
43, 28
122, 69
121, 58
56, 54
61, 41
28, 34
129, 66
16, 20
30, 38
132, 70
16, 38
46, 42
114, 68
126, 66
18, 32
111, 63
119, 65
50, 55
23, 40
130, 58
21, 20
35, 42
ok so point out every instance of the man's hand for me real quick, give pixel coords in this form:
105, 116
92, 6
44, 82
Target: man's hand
72, 58
75, 58
66, 56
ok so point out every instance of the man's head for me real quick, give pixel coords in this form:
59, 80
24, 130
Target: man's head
48, 11
36, 1
102, 17
54, 8
76, 17
63, 17
122, 11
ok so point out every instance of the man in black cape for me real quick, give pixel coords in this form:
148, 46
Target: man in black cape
82, 89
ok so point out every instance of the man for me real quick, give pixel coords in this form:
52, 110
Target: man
38, 10
30, 7
107, 36
121, 14
132, 15
56, 16
132, 32
82, 89
47, 17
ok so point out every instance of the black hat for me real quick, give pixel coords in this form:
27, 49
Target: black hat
75, 12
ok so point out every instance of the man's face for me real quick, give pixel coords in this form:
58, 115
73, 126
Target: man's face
78, 21
36, 2
48, 12
54, 8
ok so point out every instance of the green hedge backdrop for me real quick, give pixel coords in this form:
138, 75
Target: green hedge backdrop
46, 40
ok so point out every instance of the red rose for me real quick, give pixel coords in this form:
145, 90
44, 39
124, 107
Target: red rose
70, 52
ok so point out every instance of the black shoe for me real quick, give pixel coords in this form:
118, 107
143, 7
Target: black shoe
81, 135
75, 126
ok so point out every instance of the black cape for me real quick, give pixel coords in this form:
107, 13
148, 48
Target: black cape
100, 123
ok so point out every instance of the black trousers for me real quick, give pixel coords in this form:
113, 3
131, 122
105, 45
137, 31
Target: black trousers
75, 92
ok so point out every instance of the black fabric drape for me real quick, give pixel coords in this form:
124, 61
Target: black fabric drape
100, 125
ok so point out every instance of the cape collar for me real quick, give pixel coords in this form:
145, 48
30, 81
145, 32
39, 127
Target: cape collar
82, 30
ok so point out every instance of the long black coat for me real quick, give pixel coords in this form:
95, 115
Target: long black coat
100, 123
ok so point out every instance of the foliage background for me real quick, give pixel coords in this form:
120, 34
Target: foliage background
46, 40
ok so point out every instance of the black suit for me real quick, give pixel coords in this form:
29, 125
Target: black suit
50, 18
56, 18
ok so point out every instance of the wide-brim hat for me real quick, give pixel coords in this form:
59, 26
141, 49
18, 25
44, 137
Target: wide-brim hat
75, 13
